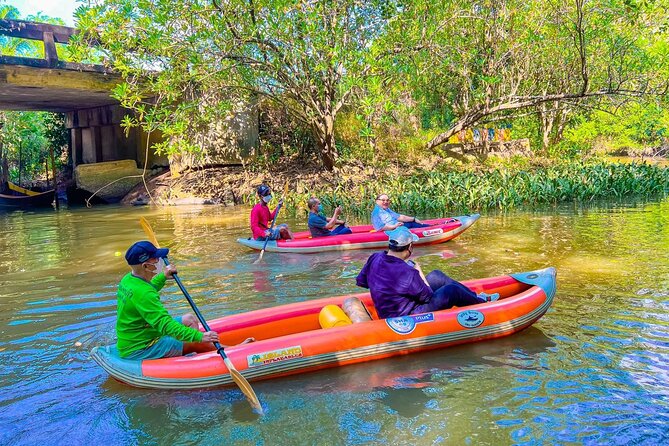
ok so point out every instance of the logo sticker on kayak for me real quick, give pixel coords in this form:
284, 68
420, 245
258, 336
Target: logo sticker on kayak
470, 318
407, 324
283, 354
430, 232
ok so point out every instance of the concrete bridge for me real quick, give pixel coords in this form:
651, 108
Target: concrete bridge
99, 148
81, 91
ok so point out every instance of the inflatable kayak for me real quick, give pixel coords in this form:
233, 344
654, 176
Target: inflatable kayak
290, 340
364, 237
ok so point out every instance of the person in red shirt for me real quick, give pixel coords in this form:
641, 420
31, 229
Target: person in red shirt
261, 219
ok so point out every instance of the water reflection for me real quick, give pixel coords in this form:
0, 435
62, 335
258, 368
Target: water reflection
592, 370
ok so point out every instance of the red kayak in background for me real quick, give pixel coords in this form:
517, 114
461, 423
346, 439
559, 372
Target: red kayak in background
365, 237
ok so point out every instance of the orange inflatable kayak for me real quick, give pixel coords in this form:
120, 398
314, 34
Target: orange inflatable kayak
364, 237
289, 338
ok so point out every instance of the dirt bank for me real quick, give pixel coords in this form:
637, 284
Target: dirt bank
232, 185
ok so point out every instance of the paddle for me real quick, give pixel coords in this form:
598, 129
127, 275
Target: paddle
276, 214
237, 377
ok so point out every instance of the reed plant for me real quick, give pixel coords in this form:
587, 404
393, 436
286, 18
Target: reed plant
440, 192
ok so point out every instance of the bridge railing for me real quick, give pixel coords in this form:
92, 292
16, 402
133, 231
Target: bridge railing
49, 35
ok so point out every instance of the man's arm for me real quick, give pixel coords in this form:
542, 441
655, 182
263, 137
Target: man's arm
153, 312
420, 271
407, 219
316, 221
158, 281
387, 217
333, 220
273, 213
255, 221
361, 280
388, 227
420, 290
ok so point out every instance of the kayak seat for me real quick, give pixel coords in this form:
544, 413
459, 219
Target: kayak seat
356, 310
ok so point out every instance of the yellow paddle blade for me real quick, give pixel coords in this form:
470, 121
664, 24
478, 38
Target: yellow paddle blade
245, 387
149, 231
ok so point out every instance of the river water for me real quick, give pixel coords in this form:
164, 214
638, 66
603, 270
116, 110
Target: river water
593, 370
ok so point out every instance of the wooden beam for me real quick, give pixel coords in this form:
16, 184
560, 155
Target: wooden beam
50, 53
57, 78
43, 63
35, 31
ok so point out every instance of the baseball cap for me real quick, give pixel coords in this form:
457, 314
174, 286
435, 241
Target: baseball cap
263, 190
142, 251
401, 237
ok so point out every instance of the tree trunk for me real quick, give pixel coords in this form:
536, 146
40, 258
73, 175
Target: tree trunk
561, 125
325, 138
553, 120
546, 118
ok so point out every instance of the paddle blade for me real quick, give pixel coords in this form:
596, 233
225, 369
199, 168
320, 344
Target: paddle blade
259, 258
244, 386
148, 230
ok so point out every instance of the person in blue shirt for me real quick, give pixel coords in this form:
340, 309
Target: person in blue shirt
320, 226
399, 288
385, 219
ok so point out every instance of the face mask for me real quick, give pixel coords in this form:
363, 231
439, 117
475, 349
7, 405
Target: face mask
320, 208
267, 198
158, 267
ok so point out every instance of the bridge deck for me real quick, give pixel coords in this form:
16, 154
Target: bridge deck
50, 84
56, 90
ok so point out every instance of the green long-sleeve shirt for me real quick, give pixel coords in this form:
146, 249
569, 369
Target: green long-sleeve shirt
141, 318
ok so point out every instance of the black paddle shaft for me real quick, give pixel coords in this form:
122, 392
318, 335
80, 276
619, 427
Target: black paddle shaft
196, 310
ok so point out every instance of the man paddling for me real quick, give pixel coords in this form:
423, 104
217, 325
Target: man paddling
261, 219
385, 219
143, 327
399, 288
321, 226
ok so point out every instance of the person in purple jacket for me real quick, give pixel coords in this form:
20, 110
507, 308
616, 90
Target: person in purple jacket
399, 287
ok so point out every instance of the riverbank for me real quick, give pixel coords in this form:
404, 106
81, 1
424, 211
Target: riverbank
426, 190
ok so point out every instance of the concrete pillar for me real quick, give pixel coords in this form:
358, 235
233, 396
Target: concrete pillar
88, 146
76, 146
97, 138
110, 150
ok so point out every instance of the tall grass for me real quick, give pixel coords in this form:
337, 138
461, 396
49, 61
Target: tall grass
435, 193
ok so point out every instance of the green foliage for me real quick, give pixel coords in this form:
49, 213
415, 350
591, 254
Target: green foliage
447, 192
24, 144
630, 128
199, 62
481, 60
55, 132
402, 73
27, 136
